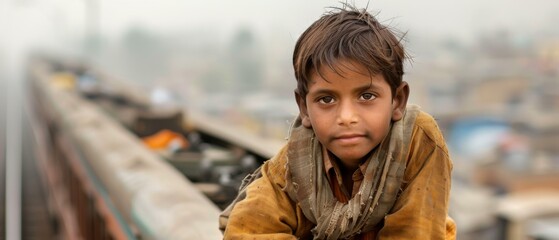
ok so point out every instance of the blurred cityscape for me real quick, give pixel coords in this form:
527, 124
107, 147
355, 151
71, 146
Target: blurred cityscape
494, 95
496, 100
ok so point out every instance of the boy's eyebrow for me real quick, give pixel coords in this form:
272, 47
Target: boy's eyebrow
364, 87
321, 91
369, 86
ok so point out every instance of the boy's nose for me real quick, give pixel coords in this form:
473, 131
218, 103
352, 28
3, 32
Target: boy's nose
347, 114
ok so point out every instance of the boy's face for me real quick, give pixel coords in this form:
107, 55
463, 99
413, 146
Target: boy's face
350, 114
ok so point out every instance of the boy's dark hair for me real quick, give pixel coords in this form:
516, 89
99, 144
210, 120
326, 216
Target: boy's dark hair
348, 34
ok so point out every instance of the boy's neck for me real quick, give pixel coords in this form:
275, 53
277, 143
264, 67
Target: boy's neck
347, 169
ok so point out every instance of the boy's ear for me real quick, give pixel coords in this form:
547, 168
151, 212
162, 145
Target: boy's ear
400, 101
302, 104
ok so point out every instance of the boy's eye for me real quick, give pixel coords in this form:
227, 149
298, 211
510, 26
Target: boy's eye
326, 100
367, 96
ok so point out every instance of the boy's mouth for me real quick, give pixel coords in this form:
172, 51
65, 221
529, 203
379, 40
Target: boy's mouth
350, 138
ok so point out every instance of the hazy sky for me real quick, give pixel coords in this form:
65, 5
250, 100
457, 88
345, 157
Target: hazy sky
435, 16
25, 23
30, 18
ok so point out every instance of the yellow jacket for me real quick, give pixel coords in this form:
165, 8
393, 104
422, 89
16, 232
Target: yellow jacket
420, 212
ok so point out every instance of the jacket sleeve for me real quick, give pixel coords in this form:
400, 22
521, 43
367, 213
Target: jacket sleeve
266, 212
420, 212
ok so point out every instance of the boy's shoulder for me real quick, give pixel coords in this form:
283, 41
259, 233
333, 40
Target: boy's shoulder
427, 125
276, 167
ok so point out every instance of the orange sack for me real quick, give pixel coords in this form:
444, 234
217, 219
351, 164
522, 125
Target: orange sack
166, 139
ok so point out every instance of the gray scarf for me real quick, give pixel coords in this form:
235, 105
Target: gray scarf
308, 186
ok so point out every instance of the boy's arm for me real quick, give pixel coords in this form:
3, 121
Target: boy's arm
420, 212
267, 211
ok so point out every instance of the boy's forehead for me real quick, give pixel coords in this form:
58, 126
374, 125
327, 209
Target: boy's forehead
354, 79
344, 68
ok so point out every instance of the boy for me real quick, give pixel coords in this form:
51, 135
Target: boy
359, 162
